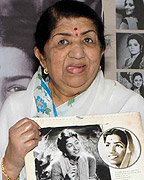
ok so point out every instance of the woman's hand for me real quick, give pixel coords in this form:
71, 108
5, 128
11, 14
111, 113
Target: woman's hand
23, 137
72, 172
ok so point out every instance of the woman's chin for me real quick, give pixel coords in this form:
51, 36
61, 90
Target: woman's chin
78, 83
74, 155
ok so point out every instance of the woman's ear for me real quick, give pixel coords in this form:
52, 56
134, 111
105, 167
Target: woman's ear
40, 57
102, 52
141, 48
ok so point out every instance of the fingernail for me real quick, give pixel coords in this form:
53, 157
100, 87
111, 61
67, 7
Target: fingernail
40, 133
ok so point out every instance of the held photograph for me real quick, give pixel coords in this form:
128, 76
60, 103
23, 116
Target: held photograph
96, 147
119, 148
69, 153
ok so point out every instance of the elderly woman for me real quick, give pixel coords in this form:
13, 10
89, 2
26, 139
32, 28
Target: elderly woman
69, 45
73, 163
119, 148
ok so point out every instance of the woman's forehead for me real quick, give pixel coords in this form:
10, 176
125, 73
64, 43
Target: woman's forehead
74, 24
71, 139
14, 58
113, 138
129, 1
133, 40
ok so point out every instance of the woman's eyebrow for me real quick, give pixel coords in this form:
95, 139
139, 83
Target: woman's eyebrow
91, 30
68, 34
118, 142
15, 78
62, 34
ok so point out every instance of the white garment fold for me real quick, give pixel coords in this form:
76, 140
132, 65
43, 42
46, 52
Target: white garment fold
102, 97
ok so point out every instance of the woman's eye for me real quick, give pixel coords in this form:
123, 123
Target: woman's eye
69, 145
119, 145
130, 4
77, 142
15, 88
107, 145
63, 42
88, 40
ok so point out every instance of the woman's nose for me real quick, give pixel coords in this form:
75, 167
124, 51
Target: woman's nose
111, 149
75, 147
77, 51
127, 7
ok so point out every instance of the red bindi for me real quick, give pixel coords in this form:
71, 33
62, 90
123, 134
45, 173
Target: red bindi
75, 28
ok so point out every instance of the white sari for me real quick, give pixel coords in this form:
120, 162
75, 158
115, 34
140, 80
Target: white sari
102, 97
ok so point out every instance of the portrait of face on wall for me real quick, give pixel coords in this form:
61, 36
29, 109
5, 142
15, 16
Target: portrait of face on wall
17, 62
130, 51
17, 26
119, 148
129, 14
132, 80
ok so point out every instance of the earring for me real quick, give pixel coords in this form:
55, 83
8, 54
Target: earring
46, 71
99, 68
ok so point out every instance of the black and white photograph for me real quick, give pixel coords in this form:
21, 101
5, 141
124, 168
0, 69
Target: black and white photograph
132, 80
69, 153
61, 62
129, 14
17, 62
96, 147
119, 148
130, 50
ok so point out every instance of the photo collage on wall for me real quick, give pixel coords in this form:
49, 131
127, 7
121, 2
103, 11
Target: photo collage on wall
130, 44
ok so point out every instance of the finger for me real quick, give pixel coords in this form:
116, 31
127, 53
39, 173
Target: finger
24, 133
30, 145
73, 175
74, 168
73, 172
31, 134
36, 124
25, 120
27, 126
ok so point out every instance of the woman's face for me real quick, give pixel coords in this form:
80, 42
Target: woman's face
15, 71
73, 146
73, 55
138, 81
134, 46
115, 149
129, 7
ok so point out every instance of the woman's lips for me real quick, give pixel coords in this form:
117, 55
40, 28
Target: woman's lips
76, 69
128, 11
112, 157
76, 152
